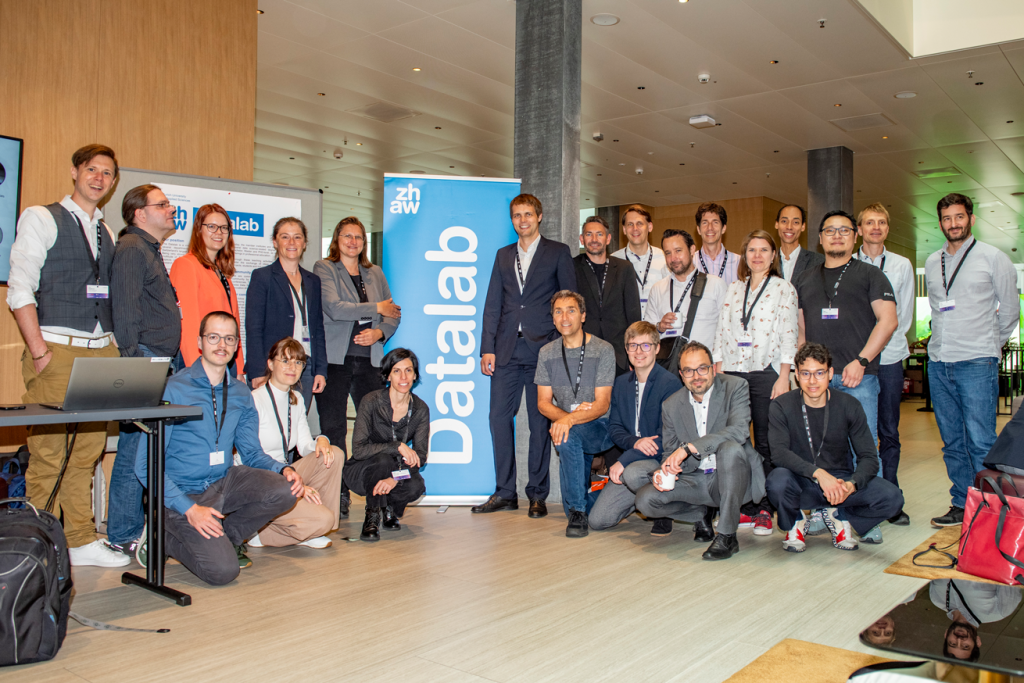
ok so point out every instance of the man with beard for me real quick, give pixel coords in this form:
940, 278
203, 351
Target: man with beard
612, 299
647, 260
972, 290
794, 259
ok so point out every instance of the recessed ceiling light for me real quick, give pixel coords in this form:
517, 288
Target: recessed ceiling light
775, 151
657, 190
735, 183
416, 68
640, 87
979, 83
614, 140
604, 19
259, 11
321, 94
837, 105
359, 144
621, 164
599, 175
451, 167
885, 137
1016, 194
774, 61
905, 95
437, 127
682, 164
1009, 121
292, 158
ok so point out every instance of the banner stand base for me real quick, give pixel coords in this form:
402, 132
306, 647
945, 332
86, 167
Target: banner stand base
462, 501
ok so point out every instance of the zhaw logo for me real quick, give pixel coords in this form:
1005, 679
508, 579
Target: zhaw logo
404, 203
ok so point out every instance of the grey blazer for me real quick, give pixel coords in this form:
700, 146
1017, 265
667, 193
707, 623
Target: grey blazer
342, 308
728, 420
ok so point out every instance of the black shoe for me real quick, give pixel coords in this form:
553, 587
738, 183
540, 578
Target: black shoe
346, 502
578, 524
662, 527
371, 525
538, 508
391, 519
901, 518
722, 548
703, 531
495, 503
955, 517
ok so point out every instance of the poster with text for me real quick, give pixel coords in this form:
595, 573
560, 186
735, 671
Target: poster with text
10, 198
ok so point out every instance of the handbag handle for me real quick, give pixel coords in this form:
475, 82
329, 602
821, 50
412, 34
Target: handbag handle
1013, 485
1019, 578
931, 548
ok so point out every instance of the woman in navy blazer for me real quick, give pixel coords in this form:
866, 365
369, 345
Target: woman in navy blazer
284, 300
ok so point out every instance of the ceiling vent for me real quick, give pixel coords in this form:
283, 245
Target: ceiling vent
929, 173
385, 112
852, 123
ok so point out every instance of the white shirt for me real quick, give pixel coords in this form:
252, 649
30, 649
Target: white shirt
658, 271
298, 333
525, 259
727, 263
986, 601
37, 233
900, 272
706, 322
773, 327
700, 416
639, 406
270, 434
788, 263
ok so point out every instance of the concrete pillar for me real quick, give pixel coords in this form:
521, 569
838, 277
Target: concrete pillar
547, 116
829, 187
611, 216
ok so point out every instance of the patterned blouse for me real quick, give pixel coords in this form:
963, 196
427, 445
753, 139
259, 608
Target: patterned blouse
771, 334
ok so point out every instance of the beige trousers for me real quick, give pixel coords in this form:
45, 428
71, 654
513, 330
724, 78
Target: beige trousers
305, 520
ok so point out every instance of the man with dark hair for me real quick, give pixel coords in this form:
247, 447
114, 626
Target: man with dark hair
147, 323
707, 438
516, 324
811, 431
647, 260
59, 291
574, 390
613, 301
790, 222
972, 290
211, 505
713, 258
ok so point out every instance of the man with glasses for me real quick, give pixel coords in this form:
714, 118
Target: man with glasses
59, 291
147, 323
849, 307
713, 258
647, 260
212, 506
711, 462
635, 426
811, 431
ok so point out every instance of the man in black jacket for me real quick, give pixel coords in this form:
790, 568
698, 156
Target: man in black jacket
613, 302
810, 431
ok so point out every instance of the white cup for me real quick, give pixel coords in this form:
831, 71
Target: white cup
665, 482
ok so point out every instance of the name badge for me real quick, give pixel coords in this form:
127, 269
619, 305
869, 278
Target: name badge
573, 407
671, 333
305, 333
365, 321
97, 292
216, 458
160, 359
947, 305
398, 475
643, 302
744, 341
708, 463
830, 314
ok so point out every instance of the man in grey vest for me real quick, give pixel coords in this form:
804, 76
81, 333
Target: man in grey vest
59, 291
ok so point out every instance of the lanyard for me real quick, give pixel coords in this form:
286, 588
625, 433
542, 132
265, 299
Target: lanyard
604, 278
519, 267
835, 289
277, 416
807, 427
860, 257
99, 247
745, 318
962, 599
672, 290
227, 288
302, 301
213, 395
579, 370
942, 257
721, 270
650, 258
408, 421
636, 422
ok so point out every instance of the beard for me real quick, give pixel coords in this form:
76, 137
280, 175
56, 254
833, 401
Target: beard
835, 254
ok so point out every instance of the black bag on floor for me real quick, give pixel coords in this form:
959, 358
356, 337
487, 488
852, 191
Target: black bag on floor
35, 585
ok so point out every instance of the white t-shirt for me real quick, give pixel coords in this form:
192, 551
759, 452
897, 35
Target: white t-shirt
657, 271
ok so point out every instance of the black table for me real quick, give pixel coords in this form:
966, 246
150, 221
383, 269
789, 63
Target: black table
922, 358
35, 414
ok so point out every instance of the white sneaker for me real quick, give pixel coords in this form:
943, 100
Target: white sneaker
815, 524
318, 542
874, 535
794, 542
842, 532
255, 541
97, 554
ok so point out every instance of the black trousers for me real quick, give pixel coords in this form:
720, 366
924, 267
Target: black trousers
760, 383
357, 377
362, 475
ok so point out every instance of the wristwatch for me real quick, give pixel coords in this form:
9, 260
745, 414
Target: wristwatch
863, 361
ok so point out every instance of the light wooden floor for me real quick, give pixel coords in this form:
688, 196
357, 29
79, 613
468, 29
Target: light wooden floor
501, 597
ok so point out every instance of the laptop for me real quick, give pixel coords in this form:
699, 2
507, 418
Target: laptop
114, 383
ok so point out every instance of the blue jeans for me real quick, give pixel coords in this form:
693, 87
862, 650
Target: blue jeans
575, 456
964, 396
125, 514
866, 394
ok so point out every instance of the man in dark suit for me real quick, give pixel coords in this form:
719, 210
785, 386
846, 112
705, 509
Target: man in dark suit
613, 301
516, 324
793, 260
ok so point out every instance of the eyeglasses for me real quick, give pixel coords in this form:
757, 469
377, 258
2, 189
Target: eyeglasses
646, 346
163, 206
703, 370
293, 362
844, 231
355, 237
215, 339
213, 228
817, 374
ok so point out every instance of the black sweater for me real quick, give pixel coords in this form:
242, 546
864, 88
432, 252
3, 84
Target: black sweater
373, 432
787, 437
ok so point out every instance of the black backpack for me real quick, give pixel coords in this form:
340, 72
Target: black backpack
35, 585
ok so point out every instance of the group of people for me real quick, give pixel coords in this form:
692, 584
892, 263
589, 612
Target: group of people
660, 360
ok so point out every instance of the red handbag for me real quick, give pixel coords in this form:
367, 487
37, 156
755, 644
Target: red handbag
992, 544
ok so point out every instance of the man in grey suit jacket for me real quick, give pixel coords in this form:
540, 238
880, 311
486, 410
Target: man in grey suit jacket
793, 260
706, 427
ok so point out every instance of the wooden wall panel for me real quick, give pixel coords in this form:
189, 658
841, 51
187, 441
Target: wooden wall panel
749, 213
168, 84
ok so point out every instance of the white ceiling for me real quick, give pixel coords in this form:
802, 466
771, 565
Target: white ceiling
358, 52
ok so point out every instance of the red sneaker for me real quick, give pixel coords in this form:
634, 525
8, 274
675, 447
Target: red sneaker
746, 521
762, 524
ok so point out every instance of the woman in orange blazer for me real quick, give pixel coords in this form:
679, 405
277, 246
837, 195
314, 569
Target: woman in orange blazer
202, 279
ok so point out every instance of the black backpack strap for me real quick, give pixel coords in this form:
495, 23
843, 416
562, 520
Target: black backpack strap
700, 281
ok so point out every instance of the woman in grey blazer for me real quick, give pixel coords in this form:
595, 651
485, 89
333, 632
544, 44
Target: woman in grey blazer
359, 316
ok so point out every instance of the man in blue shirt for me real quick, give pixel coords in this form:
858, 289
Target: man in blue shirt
212, 507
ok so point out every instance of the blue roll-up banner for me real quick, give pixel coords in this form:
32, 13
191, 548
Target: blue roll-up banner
440, 237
